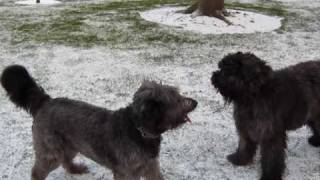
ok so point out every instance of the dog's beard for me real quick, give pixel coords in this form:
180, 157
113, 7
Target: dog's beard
234, 89
228, 96
224, 88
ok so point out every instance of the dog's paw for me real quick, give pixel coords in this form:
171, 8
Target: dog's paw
314, 141
78, 169
238, 159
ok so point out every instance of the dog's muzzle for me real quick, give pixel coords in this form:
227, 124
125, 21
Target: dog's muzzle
189, 105
215, 77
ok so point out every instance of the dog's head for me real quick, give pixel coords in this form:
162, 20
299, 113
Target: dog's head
159, 108
240, 76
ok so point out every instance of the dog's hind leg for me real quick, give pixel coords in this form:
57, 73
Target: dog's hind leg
314, 125
245, 152
70, 166
48, 154
43, 166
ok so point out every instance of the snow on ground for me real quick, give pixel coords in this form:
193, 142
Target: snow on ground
243, 21
34, 2
107, 76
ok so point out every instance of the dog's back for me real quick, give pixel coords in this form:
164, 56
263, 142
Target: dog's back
70, 125
305, 75
296, 93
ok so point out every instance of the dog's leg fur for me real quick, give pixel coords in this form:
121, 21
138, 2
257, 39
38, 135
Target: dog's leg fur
314, 125
43, 166
70, 166
273, 157
73, 168
47, 158
154, 172
245, 152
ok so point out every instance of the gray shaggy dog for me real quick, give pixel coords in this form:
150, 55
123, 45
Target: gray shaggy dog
268, 103
126, 140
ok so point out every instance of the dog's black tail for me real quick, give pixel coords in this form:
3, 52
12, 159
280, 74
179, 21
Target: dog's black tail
22, 89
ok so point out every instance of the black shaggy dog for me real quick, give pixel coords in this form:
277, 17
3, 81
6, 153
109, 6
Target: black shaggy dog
268, 103
127, 140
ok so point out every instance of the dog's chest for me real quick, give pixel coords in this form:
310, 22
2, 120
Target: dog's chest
251, 122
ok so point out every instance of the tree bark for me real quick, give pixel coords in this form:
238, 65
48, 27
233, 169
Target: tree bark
212, 8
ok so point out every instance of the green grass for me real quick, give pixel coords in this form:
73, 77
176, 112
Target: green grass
123, 27
113, 23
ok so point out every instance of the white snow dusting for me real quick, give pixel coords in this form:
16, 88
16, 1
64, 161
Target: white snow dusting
244, 21
108, 77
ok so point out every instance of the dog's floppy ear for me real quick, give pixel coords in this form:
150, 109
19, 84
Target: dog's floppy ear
255, 71
148, 99
148, 91
253, 67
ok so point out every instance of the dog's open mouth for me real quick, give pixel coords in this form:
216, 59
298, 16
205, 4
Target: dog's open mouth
189, 106
186, 118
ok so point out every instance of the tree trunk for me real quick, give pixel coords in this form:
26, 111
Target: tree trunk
210, 7
213, 8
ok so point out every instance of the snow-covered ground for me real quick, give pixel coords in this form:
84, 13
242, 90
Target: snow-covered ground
242, 21
108, 74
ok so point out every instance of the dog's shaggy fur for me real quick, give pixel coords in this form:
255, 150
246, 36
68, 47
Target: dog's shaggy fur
127, 140
267, 103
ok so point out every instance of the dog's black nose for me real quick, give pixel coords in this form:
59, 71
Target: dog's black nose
194, 103
191, 104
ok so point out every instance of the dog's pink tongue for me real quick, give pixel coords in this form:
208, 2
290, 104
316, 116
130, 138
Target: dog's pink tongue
187, 119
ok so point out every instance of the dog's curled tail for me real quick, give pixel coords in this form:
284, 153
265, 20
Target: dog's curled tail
22, 89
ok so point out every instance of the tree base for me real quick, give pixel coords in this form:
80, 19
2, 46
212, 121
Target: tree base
222, 16
218, 12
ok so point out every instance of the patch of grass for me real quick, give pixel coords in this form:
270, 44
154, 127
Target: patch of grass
67, 24
122, 25
30, 27
115, 23
123, 6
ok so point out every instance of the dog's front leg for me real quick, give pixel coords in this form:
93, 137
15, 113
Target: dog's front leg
273, 157
245, 151
153, 171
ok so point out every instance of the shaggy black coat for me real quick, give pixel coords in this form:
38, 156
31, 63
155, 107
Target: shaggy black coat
126, 140
267, 103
